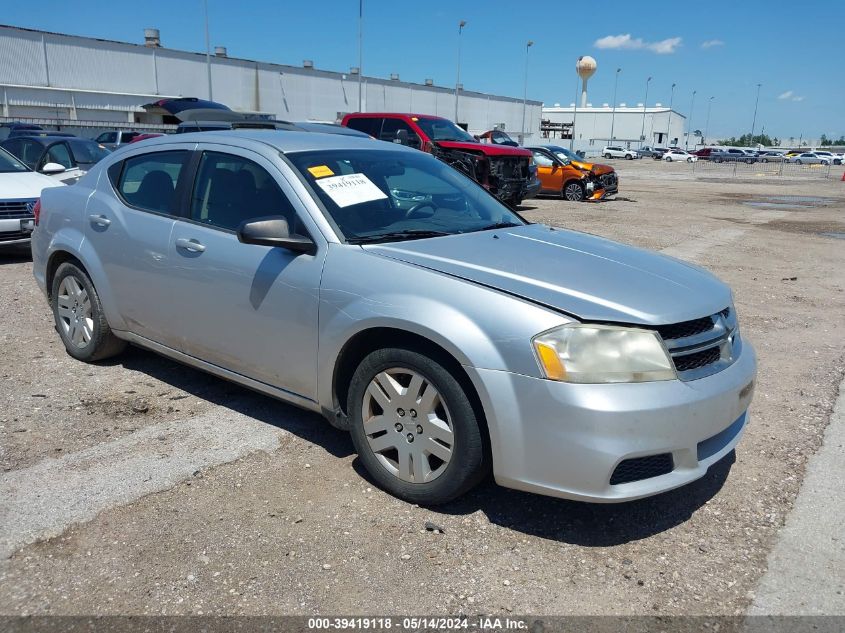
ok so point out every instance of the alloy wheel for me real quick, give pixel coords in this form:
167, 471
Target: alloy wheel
407, 425
573, 192
75, 313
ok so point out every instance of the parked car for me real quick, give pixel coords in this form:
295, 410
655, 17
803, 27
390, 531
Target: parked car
606, 177
809, 158
558, 176
619, 152
704, 153
20, 188
651, 152
679, 155
377, 286
64, 158
771, 156
497, 137
14, 128
112, 139
833, 159
732, 154
502, 170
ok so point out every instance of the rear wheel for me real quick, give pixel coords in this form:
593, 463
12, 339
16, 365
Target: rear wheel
689, 160
669, 159
608, 155
798, 161
414, 427
765, 160
573, 191
79, 316
749, 161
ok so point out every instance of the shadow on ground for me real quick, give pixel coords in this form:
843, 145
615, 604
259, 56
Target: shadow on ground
586, 524
15, 255
305, 424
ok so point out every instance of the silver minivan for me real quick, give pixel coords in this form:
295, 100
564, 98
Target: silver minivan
382, 288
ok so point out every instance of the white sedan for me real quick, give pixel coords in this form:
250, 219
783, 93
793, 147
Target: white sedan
809, 158
679, 154
20, 188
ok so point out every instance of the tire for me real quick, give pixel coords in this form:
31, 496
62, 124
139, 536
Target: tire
573, 191
748, 161
457, 460
668, 159
837, 162
717, 160
798, 161
608, 156
629, 157
79, 317
765, 160
689, 160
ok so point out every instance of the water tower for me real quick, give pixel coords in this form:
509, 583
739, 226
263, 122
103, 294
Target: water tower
585, 67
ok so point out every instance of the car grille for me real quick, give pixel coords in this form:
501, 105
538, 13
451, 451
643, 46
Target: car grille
640, 468
704, 346
8, 236
10, 209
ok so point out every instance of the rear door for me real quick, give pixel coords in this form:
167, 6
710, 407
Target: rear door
129, 221
247, 308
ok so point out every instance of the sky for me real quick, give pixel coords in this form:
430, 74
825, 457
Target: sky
718, 48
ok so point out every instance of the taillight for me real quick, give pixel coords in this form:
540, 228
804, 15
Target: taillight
36, 210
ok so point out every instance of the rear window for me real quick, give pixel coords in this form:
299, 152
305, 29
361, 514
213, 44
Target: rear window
149, 181
371, 126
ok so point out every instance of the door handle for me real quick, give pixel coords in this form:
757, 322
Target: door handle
99, 220
190, 245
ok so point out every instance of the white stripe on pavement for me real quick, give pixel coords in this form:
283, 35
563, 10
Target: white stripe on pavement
43, 500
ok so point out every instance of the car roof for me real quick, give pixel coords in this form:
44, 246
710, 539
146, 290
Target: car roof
283, 140
394, 114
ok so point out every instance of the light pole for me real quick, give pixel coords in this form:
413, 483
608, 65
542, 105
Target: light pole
613, 116
360, 54
754, 120
707, 122
461, 26
525, 90
574, 117
645, 105
207, 50
689, 125
669, 124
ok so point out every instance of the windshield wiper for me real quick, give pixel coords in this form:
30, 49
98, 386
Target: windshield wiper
396, 236
496, 225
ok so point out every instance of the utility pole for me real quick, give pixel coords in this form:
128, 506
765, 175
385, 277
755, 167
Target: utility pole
613, 116
707, 123
207, 51
574, 116
754, 120
645, 105
525, 91
360, 54
689, 123
461, 26
669, 124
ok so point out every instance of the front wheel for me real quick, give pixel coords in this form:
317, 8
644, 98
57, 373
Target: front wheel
765, 160
689, 160
414, 427
79, 316
798, 162
573, 191
668, 159
629, 157
748, 161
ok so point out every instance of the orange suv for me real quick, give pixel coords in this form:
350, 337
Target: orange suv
605, 176
560, 175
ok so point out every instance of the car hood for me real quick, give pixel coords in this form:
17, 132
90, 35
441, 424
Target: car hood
589, 277
486, 148
24, 184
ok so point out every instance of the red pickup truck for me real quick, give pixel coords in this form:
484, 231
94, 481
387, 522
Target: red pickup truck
504, 171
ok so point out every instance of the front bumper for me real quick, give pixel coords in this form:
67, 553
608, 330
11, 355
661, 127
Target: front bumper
566, 440
16, 231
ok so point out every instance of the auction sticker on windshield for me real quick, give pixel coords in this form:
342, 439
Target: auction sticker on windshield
350, 189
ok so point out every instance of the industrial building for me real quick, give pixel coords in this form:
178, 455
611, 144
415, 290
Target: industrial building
83, 84
628, 126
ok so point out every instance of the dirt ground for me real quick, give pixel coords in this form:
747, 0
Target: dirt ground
294, 526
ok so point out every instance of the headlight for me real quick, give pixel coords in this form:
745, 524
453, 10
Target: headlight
602, 354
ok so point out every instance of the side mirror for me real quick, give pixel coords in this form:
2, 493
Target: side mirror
274, 231
401, 137
52, 168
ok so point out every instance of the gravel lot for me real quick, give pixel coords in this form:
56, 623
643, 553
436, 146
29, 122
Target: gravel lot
140, 486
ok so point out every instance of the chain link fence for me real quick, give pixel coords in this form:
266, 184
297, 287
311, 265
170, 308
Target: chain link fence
739, 169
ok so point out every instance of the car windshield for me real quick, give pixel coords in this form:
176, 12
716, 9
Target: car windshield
444, 130
9, 164
87, 152
564, 154
376, 195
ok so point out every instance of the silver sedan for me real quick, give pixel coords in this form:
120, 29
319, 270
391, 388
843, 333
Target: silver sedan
381, 288
809, 158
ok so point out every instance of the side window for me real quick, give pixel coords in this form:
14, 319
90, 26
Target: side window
107, 137
542, 160
30, 153
230, 189
14, 147
367, 125
392, 126
149, 181
58, 153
